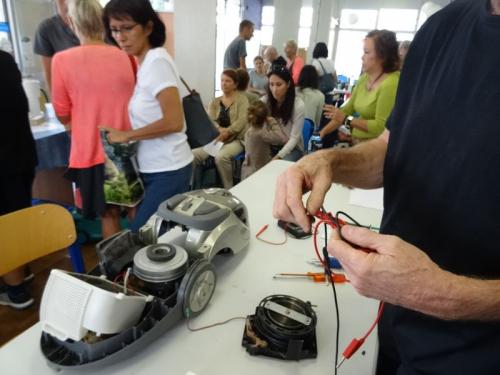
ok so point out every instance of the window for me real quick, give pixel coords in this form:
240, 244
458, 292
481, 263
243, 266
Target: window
331, 36
163, 5
349, 52
356, 23
358, 19
305, 24
5, 43
261, 38
397, 19
267, 28
228, 22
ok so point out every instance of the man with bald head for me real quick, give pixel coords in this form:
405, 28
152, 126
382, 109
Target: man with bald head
272, 58
54, 35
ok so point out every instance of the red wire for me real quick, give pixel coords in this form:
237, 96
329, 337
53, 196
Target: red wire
327, 218
379, 315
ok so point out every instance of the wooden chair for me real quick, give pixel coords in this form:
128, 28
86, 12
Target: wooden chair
32, 233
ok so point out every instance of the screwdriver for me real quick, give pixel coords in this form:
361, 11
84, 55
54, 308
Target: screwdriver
317, 277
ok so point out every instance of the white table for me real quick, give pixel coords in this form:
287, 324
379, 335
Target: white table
243, 281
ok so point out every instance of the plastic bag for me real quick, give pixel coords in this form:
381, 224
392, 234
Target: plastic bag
122, 184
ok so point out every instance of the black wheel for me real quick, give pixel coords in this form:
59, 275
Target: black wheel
197, 288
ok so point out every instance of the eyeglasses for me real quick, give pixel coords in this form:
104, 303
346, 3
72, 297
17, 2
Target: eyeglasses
125, 30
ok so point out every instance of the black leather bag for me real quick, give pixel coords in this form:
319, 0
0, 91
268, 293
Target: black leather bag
326, 81
200, 128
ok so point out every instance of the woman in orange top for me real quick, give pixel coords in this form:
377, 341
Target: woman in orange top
92, 85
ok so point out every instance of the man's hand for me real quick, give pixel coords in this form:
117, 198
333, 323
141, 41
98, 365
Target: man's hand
396, 271
116, 136
312, 172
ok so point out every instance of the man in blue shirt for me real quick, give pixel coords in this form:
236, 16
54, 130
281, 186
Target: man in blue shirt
54, 35
236, 51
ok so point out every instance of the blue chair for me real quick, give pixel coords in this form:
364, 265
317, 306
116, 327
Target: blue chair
307, 132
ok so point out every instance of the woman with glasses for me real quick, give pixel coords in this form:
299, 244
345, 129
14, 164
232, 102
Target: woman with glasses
288, 110
164, 157
91, 85
374, 95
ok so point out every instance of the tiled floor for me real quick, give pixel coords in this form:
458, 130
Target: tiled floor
13, 322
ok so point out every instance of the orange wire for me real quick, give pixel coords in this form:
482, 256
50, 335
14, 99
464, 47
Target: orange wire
263, 229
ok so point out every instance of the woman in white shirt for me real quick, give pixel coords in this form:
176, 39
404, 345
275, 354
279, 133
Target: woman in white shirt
288, 110
164, 156
307, 90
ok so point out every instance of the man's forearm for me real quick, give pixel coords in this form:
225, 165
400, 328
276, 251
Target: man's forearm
47, 69
361, 166
454, 297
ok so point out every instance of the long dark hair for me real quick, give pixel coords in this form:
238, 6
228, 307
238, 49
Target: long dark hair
386, 48
283, 112
308, 78
139, 11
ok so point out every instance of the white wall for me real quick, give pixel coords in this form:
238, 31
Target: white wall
194, 28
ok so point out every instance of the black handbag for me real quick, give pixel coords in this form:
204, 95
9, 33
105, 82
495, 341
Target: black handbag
200, 128
326, 81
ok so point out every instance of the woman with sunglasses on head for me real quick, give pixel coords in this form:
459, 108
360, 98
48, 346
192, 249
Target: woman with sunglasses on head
288, 110
374, 95
164, 156
91, 85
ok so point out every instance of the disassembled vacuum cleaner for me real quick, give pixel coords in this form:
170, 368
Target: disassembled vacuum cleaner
141, 288
283, 327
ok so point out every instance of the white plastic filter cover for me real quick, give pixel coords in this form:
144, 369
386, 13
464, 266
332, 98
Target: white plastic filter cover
71, 307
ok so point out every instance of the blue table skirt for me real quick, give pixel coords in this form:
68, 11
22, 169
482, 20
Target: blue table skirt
52, 149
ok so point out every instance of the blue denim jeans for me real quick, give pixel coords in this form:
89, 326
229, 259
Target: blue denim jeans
158, 188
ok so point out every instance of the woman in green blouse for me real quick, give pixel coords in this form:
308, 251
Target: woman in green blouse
375, 92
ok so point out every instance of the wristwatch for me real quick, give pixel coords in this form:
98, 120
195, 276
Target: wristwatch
348, 120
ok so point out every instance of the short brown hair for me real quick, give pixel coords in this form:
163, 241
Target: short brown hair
244, 24
243, 79
386, 48
257, 114
231, 73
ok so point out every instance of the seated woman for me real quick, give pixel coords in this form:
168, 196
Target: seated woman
229, 112
91, 85
288, 110
307, 90
375, 92
258, 77
164, 156
263, 132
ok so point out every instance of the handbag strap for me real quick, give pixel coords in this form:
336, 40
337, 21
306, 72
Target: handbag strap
322, 67
186, 85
